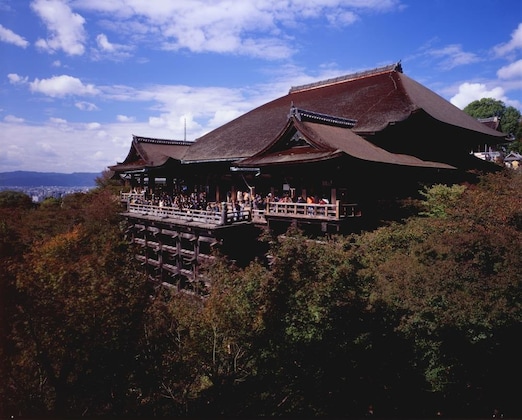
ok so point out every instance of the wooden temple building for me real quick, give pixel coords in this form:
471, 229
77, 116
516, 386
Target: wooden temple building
327, 157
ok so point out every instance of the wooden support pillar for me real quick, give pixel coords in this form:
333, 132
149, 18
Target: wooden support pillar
333, 195
223, 213
196, 259
170, 186
152, 184
160, 255
179, 258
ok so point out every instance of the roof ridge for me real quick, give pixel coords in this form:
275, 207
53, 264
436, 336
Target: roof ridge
306, 115
358, 75
162, 141
494, 118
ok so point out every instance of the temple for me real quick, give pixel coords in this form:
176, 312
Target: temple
329, 157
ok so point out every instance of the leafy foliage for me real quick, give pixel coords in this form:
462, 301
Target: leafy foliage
78, 305
408, 320
510, 117
15, 199
457, 286
439, 197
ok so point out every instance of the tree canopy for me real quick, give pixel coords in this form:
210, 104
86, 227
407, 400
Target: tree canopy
510, 117
414, 319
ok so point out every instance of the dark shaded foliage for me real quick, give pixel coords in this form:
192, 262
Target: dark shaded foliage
412, 320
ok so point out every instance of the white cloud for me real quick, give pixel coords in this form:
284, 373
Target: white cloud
66, 31
91, 150
85, 106
124, 118
11, 156
104, 43
13, 120
511, 71
16, 79
512, 45
225, 26
84, 149
58, 121
93, 126
342, 18
453, 56
46, 149
110, 50
8, 36
469, 92
63, 85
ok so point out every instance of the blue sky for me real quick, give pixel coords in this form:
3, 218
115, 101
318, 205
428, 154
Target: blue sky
79, 77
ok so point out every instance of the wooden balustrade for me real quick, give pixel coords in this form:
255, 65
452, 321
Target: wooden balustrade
335, 211
228, 214
132, 196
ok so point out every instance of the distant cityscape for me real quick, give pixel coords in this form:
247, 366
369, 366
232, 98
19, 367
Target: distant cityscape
39, 194
42, 185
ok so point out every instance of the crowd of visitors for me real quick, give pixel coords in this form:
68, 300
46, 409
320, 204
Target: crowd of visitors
238, 202
196, 200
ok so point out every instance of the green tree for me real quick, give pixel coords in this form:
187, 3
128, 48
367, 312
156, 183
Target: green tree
455, 283
15, 199
485, 108
412, 318
510, 117
322, 346
72, 338
196, 350
108, 181
439, 197
511, 121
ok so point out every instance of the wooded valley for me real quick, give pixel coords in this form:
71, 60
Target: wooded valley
418, 318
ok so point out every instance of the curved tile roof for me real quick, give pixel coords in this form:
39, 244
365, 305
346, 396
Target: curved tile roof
146, 152
327, 141
375, 98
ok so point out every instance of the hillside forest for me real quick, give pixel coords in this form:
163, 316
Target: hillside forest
420, 317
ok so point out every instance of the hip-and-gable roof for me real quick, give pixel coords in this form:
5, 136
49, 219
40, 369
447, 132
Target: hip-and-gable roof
146, 152
375, 99
307, 139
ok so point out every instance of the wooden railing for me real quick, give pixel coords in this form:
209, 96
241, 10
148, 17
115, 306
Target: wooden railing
132, 196
228, 214
335, 211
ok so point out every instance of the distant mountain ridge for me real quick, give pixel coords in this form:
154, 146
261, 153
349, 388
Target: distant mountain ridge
48, 179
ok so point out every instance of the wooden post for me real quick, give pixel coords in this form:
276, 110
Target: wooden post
160, 255
170, 186
179, 258
223, 213
337, 209
195, 249
333, 195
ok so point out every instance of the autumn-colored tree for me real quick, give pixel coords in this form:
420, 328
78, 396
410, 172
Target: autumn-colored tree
79, 301
313, 335
197, 349
415, 319
15, 200
109, 181
455, 283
